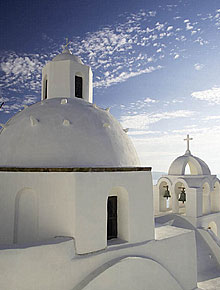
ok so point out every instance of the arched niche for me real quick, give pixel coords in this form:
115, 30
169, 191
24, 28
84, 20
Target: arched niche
26, 216
164, 203
178, 206
206, 206
121, 195
213, 227
215, 198
79, 83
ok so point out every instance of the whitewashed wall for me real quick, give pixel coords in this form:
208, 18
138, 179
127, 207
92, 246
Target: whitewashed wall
74, 204
135, 190
56, 266
60, 77
54, 197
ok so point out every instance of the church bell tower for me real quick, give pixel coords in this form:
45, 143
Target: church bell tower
66, 76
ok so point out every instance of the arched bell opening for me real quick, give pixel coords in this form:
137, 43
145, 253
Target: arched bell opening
213, 227
165, 200
187, 170
179, 198
206, 204
215, 198
191, 168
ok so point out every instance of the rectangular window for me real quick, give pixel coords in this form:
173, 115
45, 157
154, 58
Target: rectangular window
112, 230
78, 87
45, 92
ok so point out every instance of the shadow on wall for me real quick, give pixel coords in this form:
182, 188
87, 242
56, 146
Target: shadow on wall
144, 273
26, 216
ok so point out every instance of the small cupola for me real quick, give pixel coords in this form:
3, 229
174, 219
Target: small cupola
196, 165
66, 76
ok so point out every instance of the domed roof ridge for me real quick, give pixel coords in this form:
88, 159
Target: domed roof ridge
67, 55
70, 133
197, 165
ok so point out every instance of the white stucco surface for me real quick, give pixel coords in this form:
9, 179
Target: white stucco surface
73, 133
66, 55
211, 243
166, 232
197, 165
143, 274
58, 77
74, 204
200, 212
210, 284
61, 160
54, 265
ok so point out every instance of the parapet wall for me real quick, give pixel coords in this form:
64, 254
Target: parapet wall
55, 265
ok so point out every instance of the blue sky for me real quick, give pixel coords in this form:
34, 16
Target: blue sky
155, 63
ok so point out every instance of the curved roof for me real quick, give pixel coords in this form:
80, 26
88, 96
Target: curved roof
65, 133
197, 166
67, 55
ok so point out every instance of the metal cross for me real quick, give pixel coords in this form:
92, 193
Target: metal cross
188, 139
67, 43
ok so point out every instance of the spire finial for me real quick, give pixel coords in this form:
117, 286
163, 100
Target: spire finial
66, 45
188, 139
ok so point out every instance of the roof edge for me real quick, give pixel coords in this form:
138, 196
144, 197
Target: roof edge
74, 169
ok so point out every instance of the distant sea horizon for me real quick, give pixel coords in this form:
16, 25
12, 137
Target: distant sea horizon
157, 174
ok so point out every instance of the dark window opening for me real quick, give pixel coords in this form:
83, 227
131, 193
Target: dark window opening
78, 87
45, 90
112, 230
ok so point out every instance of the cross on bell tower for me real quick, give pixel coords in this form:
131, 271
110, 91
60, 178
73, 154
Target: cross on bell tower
188, 139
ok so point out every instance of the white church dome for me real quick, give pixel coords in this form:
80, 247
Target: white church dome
197, 166
67, 55
66, 132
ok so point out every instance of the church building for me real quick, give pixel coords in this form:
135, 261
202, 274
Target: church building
189, 197
76, 208
194, 194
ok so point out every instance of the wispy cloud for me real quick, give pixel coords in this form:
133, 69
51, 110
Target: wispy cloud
133, 46
21, 72
208, 118
109, 80
198, 66
142, 121
211, 95
142, 132
149, 100
139, 43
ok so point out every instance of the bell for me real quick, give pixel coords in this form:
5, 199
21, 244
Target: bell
166, 193
182, 195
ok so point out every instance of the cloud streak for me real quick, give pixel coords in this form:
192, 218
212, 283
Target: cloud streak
124, 76
21, 72
212, 95
142, 121
135, 45
139, 43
